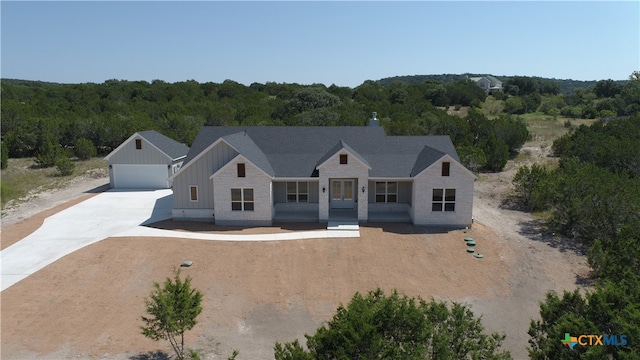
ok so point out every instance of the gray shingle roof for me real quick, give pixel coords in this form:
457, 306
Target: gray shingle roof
167, 145
339, 146
245, 146
427, 156
295, 151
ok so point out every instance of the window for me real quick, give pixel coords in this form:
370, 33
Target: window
443, 200
241, 170
386, 192
297, 191
193, 193
343, 159
138, 144
445, 168
242, 199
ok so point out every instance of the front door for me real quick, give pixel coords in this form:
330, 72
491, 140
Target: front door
342, 192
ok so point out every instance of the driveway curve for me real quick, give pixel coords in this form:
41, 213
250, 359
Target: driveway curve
102, 216
118, 214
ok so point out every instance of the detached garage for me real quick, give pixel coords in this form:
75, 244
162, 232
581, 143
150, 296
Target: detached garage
145, 160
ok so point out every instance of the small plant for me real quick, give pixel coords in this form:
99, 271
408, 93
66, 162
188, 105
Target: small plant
172, 309
65, 166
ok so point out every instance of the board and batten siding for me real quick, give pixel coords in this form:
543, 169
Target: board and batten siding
197, 174
149, 154
423, 184
129, 155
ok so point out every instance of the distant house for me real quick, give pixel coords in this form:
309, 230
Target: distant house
259, 175
145, 160
489, 84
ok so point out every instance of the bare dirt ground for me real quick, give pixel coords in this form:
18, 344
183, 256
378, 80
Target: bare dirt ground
88, 304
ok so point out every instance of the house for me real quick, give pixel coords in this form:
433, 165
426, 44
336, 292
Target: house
145, 160
259, 175
489, 84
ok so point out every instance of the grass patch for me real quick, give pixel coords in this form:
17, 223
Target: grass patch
544, 129
22, 179
492, 107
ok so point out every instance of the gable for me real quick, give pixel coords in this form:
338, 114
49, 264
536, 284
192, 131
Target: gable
129, 153
148, 147
456, 168
230, 168
340, 149
208, 161
298, 151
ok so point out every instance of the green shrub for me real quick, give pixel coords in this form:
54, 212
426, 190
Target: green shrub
48, 151
84, 149
65, 166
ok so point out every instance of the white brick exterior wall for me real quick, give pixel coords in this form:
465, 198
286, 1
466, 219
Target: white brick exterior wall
459, 178
227, 178
354, 169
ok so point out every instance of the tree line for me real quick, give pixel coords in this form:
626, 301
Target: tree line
565, 86
43, 119
606, 98
593, 198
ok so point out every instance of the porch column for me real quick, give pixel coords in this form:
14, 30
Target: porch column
363, 199
323, 199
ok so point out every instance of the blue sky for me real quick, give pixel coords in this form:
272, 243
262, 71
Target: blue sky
342, 43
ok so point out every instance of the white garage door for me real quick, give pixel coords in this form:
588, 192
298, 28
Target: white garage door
140, 176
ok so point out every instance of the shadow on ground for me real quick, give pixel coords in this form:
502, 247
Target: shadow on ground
99, 189
535, 230
161, 210
157, 355
408, 228
210, 227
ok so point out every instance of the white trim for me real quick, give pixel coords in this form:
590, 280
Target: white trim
444, 201
450, 159
408, 179
308, 179
197, 193
386, 192
134, 137
297, 193
342, 152
241, 157
242, 200
139, 176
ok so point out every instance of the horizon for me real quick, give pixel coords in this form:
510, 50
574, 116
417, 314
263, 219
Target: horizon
341, 43
499, 77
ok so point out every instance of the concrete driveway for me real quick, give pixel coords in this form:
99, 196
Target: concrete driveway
102, 216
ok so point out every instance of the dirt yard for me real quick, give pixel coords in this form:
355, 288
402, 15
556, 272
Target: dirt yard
88, 304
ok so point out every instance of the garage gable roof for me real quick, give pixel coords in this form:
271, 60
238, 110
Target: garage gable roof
169, 147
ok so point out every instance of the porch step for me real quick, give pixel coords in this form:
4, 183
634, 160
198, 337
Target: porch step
343, 225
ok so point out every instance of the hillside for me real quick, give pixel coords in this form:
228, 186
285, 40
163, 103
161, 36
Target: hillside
567, 86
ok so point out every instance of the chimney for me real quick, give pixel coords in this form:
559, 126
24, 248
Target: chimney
374, 121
